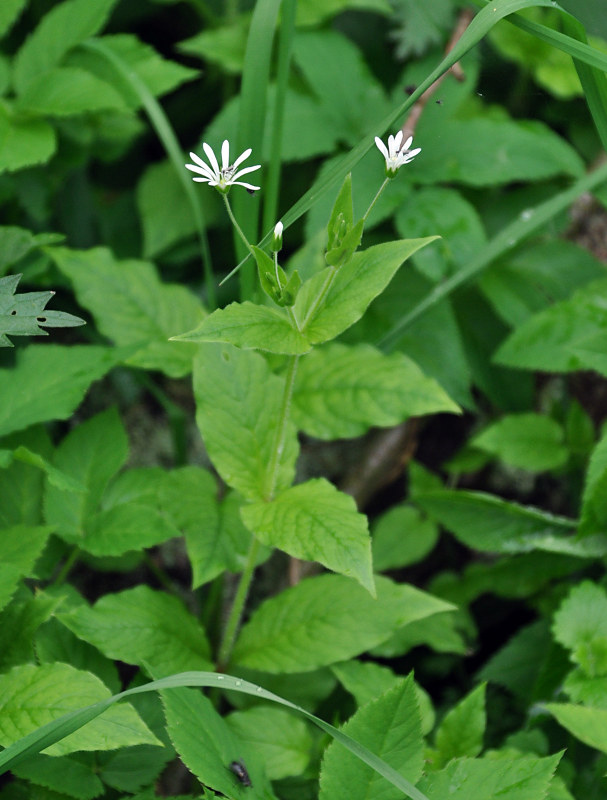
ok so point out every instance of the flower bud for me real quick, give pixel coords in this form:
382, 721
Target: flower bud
277, 238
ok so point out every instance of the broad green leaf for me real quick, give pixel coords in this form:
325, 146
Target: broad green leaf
20, 546
9, 13
526, 778
316, 522
54, 642
435, 210
165, 212
311, 12
462, 730
519, 663
129, 526
585, 691
224, 45
593, 515
25, 141
31, 696
568, 336
401, 536
281, 740
504, 151
367, 681
66, 91
335, 71
528, 280
250, 326
238, 411
132, 306
63, 774
47, 382
313, 624
62, 28
443, 633
157, 74
15, 243
580, 625
91, 453
142, 626
215, 536
529, 441
389, 726
21, 484
341, 391
22, 314
350, 288
207, 746
589, 725
19, 622
55, 476
487, 523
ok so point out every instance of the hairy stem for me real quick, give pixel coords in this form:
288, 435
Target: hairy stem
236, 225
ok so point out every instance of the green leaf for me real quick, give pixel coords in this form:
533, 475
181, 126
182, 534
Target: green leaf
207, 746
281, 740
589, 725
31, 696
92, 453
19, 621
21, 484
224, 45
365, 680
48, 382
142, 626
15, 243
529, 441
487, 523
61, 29
20, 546
250, 326
341, 391
580, 625
401, 536
216, 539
312, 624
132, 768
351, 290
568, 336
317, 522
526, 778
157, 74
593, 515
25, 141
462, 730
530, 279
342, 214
132, 306
65, 91
389, 726
238, 406
311, 12
55, 476
9, 13
22, 314
62, 774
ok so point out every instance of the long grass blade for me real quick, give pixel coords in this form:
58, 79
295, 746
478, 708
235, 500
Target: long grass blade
60, 728
167, 136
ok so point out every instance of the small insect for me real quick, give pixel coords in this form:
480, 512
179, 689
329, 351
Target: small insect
239, 769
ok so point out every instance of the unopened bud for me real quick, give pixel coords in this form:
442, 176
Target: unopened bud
277, 238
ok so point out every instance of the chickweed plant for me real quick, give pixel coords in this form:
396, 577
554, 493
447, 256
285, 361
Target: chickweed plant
307, 497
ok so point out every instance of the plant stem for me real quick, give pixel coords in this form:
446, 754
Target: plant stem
321, 296
376, 198
236, 225
67, 567
235, 615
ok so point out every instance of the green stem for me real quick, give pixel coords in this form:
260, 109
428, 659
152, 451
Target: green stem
236, 225
376, 198
159, 574
235, 615
67, 567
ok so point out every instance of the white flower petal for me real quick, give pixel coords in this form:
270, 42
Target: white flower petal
381, 147
242, 157
212, 160
225, 155
246, 185
203, 169
242, 172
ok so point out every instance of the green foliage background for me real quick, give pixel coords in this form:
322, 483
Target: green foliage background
418, 508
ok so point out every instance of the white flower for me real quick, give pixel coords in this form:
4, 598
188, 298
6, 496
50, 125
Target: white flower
396, 154
228, 175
